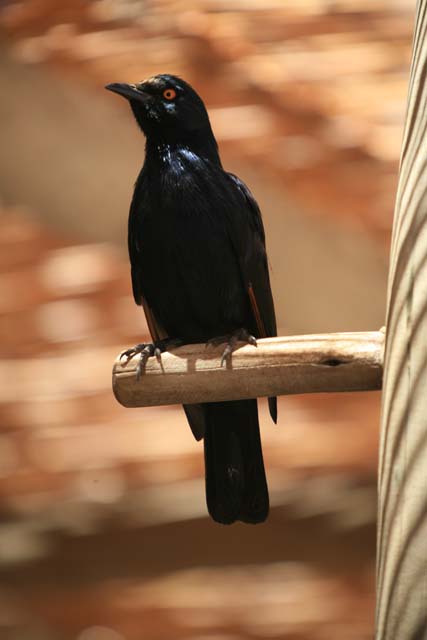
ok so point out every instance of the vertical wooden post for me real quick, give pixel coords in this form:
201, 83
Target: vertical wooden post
402, 525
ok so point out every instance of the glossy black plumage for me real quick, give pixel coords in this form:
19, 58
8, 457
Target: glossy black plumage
199, 268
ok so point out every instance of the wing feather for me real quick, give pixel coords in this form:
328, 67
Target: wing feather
249, 243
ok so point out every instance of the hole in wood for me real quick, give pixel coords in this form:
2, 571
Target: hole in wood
332, 362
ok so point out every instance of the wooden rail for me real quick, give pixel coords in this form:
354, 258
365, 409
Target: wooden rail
277, 366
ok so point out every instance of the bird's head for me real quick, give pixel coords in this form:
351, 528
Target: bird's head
166, 108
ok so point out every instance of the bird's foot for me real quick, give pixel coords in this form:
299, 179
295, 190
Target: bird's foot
146, 350
240, 335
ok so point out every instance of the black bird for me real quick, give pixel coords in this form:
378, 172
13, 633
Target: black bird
199, 269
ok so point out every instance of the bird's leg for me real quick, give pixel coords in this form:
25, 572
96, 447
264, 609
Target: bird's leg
231, 340
146, 350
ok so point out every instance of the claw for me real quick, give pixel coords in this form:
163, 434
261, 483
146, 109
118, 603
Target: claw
139, 368
145, 351
227, 351
132, 352
240, 335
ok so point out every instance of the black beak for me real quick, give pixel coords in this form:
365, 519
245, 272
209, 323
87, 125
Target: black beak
128, 91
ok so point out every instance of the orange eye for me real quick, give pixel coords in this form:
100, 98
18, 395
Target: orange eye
169, 94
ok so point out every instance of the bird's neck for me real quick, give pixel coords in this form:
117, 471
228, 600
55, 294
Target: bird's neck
161, 152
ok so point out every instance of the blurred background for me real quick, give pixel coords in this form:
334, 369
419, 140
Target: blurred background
104, 533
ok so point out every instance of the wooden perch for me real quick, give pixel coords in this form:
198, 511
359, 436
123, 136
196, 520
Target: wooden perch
278, 366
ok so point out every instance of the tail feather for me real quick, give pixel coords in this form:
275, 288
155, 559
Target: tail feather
236, 486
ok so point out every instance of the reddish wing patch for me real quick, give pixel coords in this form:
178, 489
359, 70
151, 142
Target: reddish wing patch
156, 331
257, 315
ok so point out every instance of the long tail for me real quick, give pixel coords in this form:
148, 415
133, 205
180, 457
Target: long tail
236, 487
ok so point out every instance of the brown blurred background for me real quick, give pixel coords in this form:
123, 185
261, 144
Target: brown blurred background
103, 527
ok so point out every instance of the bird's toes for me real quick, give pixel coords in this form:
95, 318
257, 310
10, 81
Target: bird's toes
144, 350
241, 335
132, 352
227, 352
148, 351
244, 336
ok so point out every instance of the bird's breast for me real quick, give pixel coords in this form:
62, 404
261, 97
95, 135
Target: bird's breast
188, 267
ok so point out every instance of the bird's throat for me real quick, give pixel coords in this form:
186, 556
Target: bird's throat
163, 152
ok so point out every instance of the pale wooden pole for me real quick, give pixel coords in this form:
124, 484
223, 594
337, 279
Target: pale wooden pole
277, 366
402, 509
